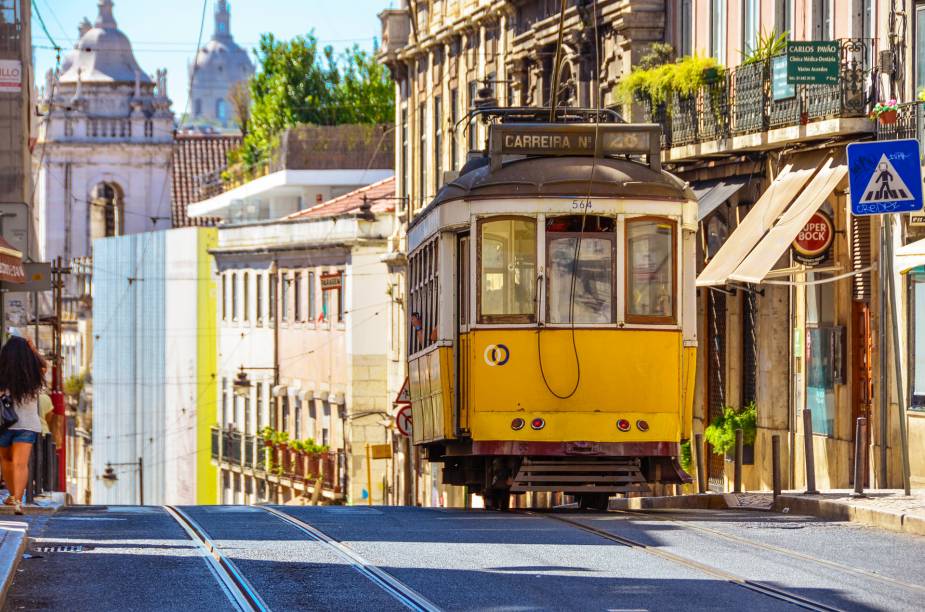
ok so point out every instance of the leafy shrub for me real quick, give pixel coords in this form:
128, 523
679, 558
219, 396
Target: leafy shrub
721, 431
684, 458
658, 83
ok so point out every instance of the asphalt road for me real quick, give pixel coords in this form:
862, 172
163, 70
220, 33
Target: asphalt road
141, 559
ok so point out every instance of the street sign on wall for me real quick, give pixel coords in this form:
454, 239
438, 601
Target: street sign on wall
813, 62
885, 177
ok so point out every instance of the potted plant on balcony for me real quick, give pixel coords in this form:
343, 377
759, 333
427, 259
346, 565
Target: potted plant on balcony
885, 112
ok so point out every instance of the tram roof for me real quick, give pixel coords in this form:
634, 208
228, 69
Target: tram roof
561, 177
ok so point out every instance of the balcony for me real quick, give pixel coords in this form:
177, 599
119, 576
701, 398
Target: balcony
250, 453
742, 111
396, 26
908, 124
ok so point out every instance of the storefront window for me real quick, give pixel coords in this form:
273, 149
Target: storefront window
583, 293
508, 271
822, 343
917, 337
650, 258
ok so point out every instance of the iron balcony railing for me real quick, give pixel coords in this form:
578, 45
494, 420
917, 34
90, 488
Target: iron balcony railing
745, 100
254, 452
908, 123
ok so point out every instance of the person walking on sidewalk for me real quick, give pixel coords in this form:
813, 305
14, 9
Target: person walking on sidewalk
22, 376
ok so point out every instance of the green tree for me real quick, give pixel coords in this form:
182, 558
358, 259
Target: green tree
300, 82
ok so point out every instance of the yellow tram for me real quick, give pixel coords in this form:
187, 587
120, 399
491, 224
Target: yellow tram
528, 372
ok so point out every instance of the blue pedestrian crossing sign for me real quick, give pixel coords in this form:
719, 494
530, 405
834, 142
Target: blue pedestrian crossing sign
885, 177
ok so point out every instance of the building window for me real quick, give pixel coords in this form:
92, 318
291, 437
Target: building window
258, 298
247, 416
718, 30
197, 107
454, 115
405, 157
650, 276
221, 110
298, 419
783, 16
422, 155
438, 143
751, 23
917, 338
225, 419
507, 278
272, 296
285, 415
686, 27
311, 296
340, 303
245, 293
473, 126
822, 19
224, 296
258, 392
297, 291
582, 293
919, 47
284, 298
326, 310
234, 296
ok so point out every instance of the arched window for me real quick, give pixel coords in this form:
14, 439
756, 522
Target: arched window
106, 218
221, 110
197, 106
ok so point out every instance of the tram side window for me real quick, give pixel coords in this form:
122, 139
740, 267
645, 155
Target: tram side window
424, 297
582, 293
650, 275
507, 275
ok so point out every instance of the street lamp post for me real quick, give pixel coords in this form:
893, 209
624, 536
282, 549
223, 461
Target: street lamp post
109, 477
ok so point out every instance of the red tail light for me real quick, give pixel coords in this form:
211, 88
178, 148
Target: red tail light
642, 425
518, 424
537, 423
623, 425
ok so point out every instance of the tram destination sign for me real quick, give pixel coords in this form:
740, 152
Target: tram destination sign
813, 62
575, 140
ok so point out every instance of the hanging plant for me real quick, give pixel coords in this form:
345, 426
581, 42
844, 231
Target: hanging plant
684, 77
885, 112
720, 433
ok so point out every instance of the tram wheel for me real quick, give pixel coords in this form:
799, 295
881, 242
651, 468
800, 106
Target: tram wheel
594, 501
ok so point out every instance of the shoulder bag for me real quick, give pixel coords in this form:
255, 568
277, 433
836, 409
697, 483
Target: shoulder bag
8, 416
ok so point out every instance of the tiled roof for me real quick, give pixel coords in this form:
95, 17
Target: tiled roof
379, 195
194, 157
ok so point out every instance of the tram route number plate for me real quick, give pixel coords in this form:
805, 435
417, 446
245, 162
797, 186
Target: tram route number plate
568, 140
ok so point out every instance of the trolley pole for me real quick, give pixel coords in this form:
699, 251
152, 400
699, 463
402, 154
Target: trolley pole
57, 393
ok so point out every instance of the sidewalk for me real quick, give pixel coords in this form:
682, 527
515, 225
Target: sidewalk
887, 509
12, 544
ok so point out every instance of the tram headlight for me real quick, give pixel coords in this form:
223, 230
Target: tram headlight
537, 423
518, 424
623, 425
642, 425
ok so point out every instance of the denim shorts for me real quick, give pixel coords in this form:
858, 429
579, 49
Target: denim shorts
10, 436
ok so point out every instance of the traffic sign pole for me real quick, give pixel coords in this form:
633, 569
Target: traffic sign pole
900, 387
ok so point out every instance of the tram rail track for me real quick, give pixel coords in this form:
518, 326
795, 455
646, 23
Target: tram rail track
401, 592
777, 549
751, 585
237, 588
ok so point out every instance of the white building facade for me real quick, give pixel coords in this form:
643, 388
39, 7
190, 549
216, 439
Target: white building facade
103, 149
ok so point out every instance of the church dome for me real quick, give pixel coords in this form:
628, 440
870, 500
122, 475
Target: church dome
103, 54
223, 59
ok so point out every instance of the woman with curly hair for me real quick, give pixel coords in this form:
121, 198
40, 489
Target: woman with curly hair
22, 376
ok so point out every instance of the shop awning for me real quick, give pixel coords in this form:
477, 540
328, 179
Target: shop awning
11, 270
710, 194
776, 242
910, 256
775, 199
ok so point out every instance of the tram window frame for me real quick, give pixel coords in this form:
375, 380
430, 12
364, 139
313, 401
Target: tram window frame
516, 319
639, 319
423, 290
608, 234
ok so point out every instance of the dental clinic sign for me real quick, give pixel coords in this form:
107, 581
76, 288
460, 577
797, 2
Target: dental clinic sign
10, 76
813, 62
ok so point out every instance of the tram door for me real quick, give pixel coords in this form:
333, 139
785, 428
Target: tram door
463, 288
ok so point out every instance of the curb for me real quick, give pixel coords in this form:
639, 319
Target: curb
706, 501
835, 511
12, 546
